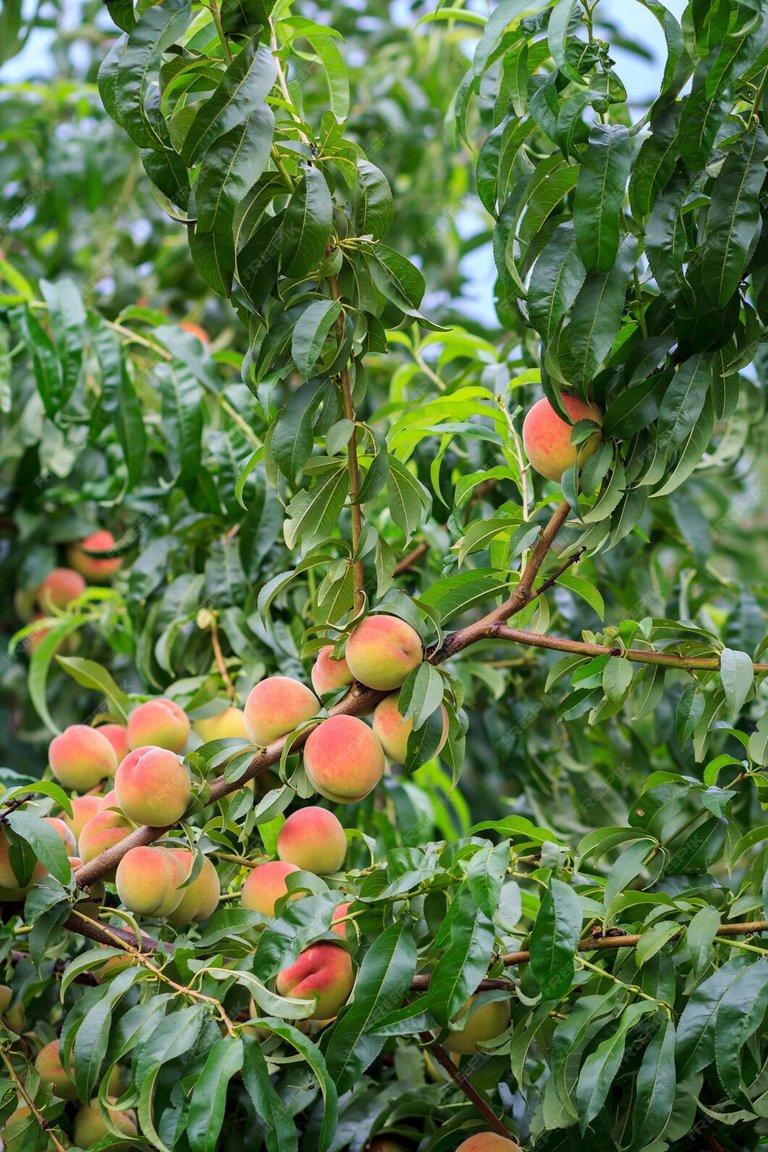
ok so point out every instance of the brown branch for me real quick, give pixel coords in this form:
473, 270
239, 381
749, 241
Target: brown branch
464, 1084
220, 662
410, 559
43, 1124
580, 648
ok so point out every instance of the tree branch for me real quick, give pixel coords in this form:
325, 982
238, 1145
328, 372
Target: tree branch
410, 559
464, 1084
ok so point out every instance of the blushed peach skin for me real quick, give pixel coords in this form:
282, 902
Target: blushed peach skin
80, 757
339, 912
264, 886
384, 1144
488, 1142
59, 588
159, 723
313, 839
92, 567
329, 675
547, 437
8, 878
343, 759
393, 731
148, 880
201, 898
485, 1023
51, 1071
153, 787
83, 808
117, 734
324, 970
64, 832
276, 706
224, 725
382, 650
102, 831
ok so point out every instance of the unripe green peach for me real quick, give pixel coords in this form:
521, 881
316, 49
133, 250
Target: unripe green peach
13, 1015
59, 588
313, 839
276, 706
8, 878
100, 570
324, 970
329, 675
224, 725
343, 759
393, 731
80, 757
102, 831
51, 1071
382, 650
148, 880
90, 1127
547, 437
264, 886
6, 995
488, 1142
158, 723
201, 898
485, 1023
117, 734
83, 808
153, 787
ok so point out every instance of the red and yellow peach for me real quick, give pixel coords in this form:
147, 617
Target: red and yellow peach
324, 971
90, 1128
59, 588
160, 723
547, 437
313, 838
393, 730
480, 1025
276, 706
343, 759
81, 757
265, 885
153, 787
224, 725
329, 675
382, 650
488, 1142
148, 880
98, 569
200, 899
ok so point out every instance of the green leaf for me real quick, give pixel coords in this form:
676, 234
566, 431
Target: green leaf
556, 280
555, 938
600, 195
656, 1087
456, 594
92, 1036
293, 433
703, 113
310, 333
409, 500
692, 449
281, 1135
313, 513
738, 675
617, 679
48, 846
230, 168
307, 226
209, 1096
463, 964
374, 208
314, 1058
91, 675
421, 695
733, 219
398, 279
239, 93
596, 314
383, 980
740, 1013
67, 316
695, 1043
558, 36
601, 1066
684, 400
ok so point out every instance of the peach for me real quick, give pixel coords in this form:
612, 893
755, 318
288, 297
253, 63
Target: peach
488, 1142
148, 880
59, 588
108, 802
329, 675
339, 912
343, 759
6, 995
51, 1071
312, 838
276, 706
13, 1015
64, 833
382, 650
8, 878
265, 885
25, 604
160, 723
117, 734
224, 725
102, 831
83, 808
195, 330
324, 971
384, 1144
80, 757
393, 731
201, 898
153, 787
100, 569
90, 1127
483, 1024
547, 437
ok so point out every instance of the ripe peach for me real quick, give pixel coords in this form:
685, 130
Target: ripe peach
483, 1024
339, 912
195, 330
160, 723
117, 734
83, 807
265, 885
108, 802
276, 706
201, 898
329, 675
312, 838
148, 881
64, 833
92, 567
393, 731
102, 831
80, 757
382, 650
324, 970
8, 878
547, 437
153, 787
90, 1127
52, 1071
59, 588
222, 726
488, 1142
343, 759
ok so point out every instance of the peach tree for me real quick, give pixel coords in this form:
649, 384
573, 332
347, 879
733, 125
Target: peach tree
392, 757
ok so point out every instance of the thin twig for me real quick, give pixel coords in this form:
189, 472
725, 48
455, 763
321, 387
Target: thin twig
410, 559
220, 662
464, 1084
41, 1120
